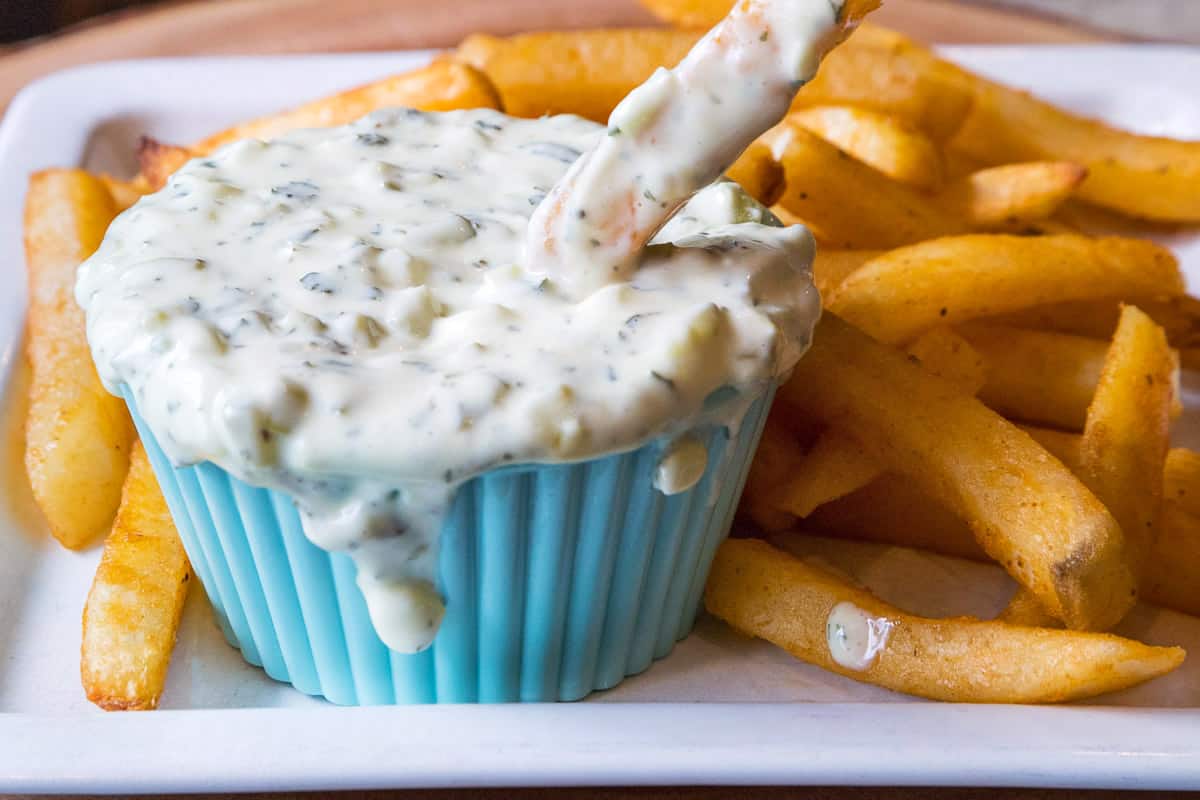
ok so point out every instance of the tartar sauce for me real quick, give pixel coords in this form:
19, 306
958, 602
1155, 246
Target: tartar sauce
347, 315
856, 638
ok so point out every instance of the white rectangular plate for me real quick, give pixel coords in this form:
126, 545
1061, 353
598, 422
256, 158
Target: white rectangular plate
721, 709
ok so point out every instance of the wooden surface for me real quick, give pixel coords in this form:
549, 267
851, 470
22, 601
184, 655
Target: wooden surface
300, 26
296, 26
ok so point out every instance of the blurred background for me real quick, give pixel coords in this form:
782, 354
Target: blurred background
1177, 20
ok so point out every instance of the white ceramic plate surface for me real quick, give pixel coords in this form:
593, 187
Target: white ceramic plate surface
719, 710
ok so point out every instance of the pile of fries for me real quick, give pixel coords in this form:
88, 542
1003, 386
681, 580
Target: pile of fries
992, 378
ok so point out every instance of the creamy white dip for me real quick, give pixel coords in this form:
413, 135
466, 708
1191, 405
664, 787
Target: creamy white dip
346, 315
856, 638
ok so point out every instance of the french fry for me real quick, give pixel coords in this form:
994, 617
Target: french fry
77, 435
831, 267
585, 72
768, 593
1036, 376
1013, 194
1143, 176
1174, 562
950, 281
834, 467
757, 171
1024, 507
891, 510
1062, 445
890, 145
689, 13
1181, 479
959, 165
136, 599
1024, 609
948, 355
881, 70
1096, 221
847, 203
1181, 471
779, 454
124, 193
1179, 316
157, 161
837, 464
1124, 447
441, 86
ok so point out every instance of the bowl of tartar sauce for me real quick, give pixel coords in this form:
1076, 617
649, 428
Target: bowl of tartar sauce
409, 468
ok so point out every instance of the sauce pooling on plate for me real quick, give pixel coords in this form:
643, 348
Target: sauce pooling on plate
346, 315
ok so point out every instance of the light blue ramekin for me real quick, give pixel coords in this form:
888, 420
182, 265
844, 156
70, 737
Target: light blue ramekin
559, 579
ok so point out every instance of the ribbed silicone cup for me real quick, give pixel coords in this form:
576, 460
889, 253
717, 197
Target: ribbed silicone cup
558, 579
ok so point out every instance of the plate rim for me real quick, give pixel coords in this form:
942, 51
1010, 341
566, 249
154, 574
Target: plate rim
719, 743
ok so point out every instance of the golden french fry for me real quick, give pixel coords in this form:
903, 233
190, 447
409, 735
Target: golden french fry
1179, 316
831, 267
1123, 450
834, 467
881, 70
1062, 445
891, 510
1096, 221
887, 143
958, 164
77, 435
949, 281
768, 593
757, 171
1024, 609
778, 455
588, 72
441, 86
689, 13
124, 193
1013, 194
948, 355
1174, 562
837, 464
133, 608
847, 203
1036, 376
1143, 176
1181, 479
157, 161
585, 72
1039, 376
1124, 446
1025, 508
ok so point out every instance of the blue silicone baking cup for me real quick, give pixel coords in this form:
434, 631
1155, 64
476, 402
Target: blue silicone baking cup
559, 579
